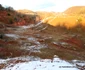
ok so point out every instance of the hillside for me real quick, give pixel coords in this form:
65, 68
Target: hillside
25, 11
75, 10
10, 16
44, 14
41, 40
71, 18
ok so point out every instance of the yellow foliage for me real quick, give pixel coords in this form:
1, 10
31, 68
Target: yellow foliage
83, 22
67, 21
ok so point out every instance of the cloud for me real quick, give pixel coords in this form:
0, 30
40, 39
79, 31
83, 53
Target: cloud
62, 5
47, 5
44, 6
28, 4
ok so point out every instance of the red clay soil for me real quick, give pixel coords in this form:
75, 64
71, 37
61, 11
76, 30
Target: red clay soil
2, 42
74, 40
9, 42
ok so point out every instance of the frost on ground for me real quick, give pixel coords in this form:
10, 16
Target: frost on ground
33, 63
12, 35
28, 26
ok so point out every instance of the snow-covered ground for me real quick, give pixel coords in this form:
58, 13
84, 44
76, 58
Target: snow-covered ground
12, 35
42, 64
28, 26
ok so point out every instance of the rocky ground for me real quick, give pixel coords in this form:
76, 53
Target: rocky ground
43, 41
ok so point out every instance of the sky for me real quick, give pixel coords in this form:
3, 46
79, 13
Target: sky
43, 5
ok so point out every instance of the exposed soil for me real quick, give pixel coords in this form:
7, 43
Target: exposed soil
43, 41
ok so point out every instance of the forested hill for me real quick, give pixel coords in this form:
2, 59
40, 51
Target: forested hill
9, 16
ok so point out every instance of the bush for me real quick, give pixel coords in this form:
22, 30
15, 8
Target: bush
1, 36
79, 20
9, 14
9, 9
1, 7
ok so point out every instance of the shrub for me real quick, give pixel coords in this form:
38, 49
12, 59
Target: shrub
79, 20
1, 36
9, 14
9, 9
1, 7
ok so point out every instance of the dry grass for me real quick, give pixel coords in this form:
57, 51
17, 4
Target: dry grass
67, 21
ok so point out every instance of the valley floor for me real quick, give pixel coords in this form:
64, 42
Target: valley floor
38, 44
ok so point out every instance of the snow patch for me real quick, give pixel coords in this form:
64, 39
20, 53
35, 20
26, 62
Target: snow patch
12, 35
29, 26
2, 61
32, 39
43, 64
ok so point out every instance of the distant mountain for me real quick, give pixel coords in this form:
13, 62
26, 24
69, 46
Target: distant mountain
25, 11
75, 10
44, 14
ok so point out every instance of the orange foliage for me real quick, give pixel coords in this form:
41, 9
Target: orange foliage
83, 21
75, 10
20, 23
66, 21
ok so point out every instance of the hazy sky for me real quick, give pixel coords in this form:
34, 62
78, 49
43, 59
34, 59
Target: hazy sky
43, 5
